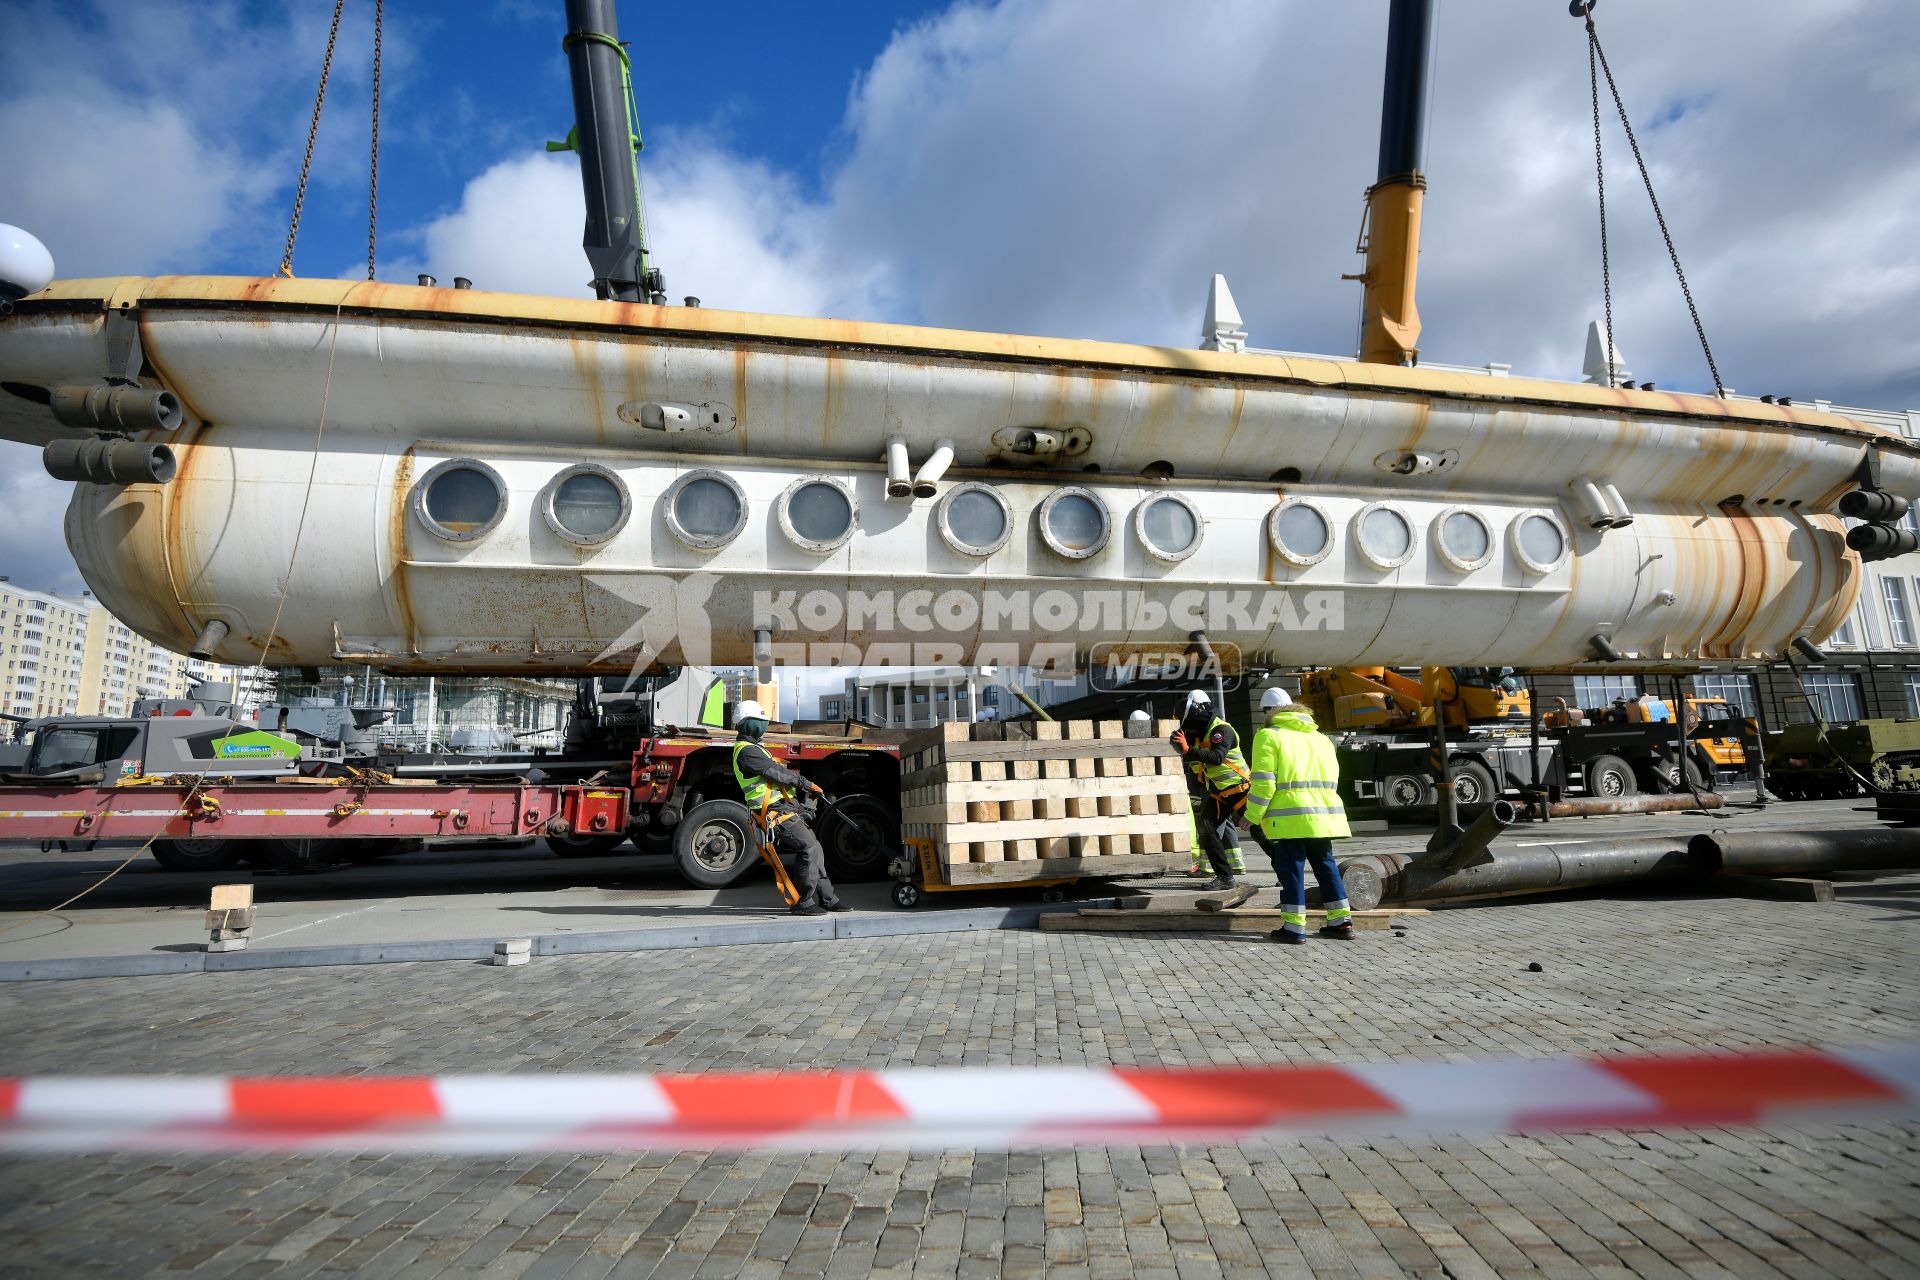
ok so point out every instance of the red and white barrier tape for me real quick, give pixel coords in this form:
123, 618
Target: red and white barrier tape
959, 1107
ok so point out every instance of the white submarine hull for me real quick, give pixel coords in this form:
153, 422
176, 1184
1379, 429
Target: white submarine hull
1565, 522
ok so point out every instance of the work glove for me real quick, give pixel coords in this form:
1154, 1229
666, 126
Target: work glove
814, 788
1179, 741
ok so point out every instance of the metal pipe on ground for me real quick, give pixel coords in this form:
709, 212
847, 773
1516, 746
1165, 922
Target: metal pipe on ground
1401, 880
1473, 842
1787, 853
1597, 806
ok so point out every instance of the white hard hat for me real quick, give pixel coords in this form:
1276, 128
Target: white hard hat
748, 709
1199, 698
1137, 716
1275, 698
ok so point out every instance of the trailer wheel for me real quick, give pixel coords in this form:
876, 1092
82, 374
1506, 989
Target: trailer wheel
196, 854
860, 851
1406, 791
906, 896
713, 844
1472, 783
1609, 778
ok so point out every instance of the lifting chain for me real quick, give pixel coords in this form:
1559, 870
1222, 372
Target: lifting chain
1596, 65
313, 131
373, 161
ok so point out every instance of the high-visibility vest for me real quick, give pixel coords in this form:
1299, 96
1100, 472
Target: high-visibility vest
1228, 777
759, 794
1296, 780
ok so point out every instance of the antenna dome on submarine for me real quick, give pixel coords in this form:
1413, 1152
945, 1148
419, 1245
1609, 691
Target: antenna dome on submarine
25, 265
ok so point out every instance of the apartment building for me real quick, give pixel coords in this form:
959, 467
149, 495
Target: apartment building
67, 655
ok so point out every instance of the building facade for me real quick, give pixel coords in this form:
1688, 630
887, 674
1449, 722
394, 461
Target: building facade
66, 655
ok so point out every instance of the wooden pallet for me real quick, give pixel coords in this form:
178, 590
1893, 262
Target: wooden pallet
1037, 799
1258, 920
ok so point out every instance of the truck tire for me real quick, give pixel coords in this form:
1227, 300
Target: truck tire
1610, 778
1473, 783
863, 854
586, 846
196, 854
1406, 791
713, 844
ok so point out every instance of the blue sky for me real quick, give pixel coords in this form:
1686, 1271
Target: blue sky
1068, 167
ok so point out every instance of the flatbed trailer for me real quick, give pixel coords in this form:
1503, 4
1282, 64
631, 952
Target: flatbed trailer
214, 823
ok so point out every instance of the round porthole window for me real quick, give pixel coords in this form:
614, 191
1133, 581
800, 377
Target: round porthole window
1073, 523
706, 509
1463, 539
817, 514
1168, 526
460, 499
1300, 532
1383, 536
973, 519
1539, 542
586, 504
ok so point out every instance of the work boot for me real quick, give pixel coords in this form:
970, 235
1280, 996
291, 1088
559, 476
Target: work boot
1287, 936
1342, 932
1218, 882
836, 905
807, 909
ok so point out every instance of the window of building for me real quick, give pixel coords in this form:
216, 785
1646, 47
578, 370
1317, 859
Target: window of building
1736, 689
1600, 691
1913, 693
1835, 694
1844, 636
1899, 621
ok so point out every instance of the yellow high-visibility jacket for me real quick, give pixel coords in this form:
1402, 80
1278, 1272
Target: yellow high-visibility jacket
1296, 780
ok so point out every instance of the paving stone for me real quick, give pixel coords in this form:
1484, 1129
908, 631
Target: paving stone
1642, 975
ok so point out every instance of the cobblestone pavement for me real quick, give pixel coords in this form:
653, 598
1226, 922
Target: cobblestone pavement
1644, 974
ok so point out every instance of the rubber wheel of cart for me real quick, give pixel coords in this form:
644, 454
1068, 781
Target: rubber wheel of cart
906, 896
587, 846
1609, 778
196, 855
1053, 895
1472, 784
713, 844
861, 854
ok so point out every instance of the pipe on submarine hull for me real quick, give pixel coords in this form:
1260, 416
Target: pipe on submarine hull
1400, 879
1785, 853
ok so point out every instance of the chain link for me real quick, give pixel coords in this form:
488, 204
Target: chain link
1673, 254
373, 162
313, 131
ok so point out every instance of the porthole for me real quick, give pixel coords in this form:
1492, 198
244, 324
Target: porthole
586, 504
705, 509
1383, 535
460, 499
1074, 523
817, 514
973, 519
1168, 526
1300, 532
1539, 542
1463, 539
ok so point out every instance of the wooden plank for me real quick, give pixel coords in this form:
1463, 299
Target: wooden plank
1016, 811
1034, 828
1071, 750
982, 811
1056, 868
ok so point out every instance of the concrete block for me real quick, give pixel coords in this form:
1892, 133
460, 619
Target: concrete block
511, 951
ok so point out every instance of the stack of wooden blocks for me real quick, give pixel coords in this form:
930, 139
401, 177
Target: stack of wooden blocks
1037, 799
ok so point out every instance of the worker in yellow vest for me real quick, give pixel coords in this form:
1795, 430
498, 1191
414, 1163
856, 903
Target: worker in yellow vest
1294, 812
771, 792
1216, 774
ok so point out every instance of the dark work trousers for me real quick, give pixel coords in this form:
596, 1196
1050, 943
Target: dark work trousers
1214, 822
1292, 857
795, 837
